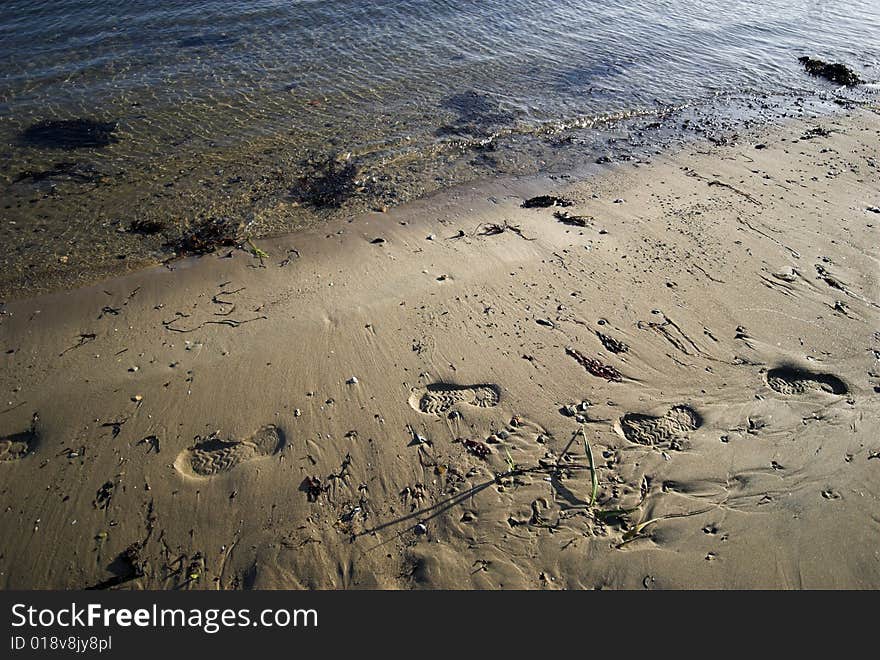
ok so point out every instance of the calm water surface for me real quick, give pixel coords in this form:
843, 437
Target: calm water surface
229, 108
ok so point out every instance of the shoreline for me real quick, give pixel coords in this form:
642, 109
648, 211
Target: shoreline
65, 228
336, 414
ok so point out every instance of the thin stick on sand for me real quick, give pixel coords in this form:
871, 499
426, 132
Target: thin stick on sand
593, 476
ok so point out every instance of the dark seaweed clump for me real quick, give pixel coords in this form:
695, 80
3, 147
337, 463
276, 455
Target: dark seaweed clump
329, 186
817, 131
69, 134
545, 202
206, 236
837, 73
146, 227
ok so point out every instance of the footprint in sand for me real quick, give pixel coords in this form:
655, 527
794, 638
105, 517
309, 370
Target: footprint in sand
790, 381
17, 446
213, 455
669, 428
437, 398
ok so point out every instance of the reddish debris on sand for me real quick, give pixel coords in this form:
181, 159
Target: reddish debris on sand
477, 448
595, 367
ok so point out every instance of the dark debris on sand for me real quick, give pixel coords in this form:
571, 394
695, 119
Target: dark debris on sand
572, 220
207, 235
837, 73
595, 367
545, 202
69, 134
128, 566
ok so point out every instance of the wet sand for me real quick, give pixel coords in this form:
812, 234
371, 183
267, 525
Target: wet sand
395, 400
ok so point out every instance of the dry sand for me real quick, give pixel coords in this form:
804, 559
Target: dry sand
317, 420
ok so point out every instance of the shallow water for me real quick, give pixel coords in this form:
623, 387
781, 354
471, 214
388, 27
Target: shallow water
229, 109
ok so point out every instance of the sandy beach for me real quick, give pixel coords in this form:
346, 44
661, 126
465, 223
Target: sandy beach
411, 399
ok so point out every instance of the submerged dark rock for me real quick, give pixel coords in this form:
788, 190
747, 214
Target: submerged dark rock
587, 75
204, 40
65, 171
329, 186
837, 73
478, 114
69, 134
475, 105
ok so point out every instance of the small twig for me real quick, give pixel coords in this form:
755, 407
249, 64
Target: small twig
715, 182
593, 476
18, 405
84, 339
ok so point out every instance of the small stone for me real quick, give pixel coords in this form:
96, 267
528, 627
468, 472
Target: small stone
137, 398
420, 529
297, 412
432, 237
352, 381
